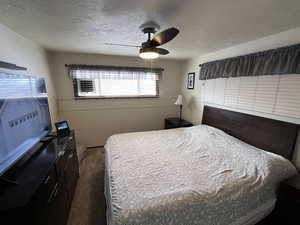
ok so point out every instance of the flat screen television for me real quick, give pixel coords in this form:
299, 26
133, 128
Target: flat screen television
24, 116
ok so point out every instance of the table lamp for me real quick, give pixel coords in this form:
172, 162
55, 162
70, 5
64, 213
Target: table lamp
179, 102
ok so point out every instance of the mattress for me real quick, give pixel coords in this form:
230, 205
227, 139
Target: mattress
197, 175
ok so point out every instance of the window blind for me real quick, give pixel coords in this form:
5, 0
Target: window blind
274, 94
112, 81
114, 72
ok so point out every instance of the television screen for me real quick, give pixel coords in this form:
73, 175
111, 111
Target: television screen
24, 116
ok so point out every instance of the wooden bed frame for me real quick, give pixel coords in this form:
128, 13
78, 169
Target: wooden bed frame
271, 135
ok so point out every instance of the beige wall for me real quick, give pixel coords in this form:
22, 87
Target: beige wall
23, 52
95, 120
194, 99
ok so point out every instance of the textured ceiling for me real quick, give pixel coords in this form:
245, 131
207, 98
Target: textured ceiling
205, 25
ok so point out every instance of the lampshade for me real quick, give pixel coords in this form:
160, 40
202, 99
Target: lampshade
179, 100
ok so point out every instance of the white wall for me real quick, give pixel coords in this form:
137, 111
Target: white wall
239, 98
95, 120
23, 52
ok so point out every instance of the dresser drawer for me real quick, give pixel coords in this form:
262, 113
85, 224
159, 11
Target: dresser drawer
43, 197
44, 192
63, 155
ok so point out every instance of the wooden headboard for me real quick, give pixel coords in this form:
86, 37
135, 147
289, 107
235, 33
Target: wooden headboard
271, 135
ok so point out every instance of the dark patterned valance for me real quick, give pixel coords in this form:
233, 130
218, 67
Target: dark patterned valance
284, 60
79, 71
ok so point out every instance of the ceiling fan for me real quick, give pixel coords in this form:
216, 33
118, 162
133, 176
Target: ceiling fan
149, 49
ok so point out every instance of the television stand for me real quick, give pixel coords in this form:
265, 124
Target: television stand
46, 185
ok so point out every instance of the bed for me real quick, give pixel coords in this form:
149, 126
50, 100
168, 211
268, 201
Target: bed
214, 173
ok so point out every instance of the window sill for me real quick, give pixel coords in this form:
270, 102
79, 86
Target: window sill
125, 97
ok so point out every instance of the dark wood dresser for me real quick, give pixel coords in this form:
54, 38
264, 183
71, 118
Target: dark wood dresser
46, 185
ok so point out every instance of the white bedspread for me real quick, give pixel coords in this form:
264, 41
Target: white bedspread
197, 175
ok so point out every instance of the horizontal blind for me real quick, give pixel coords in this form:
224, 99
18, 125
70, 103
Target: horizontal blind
209, 90
220, 91
27, 86
266, 93
247, 92
231, 92
278, 95
114, 72
105, 81
288, 97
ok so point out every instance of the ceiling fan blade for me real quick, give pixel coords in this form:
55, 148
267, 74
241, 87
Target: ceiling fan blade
135, 46
161, 51
164, 36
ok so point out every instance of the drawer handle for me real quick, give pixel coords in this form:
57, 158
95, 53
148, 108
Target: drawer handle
70, 156
56, 192
53, 193
47, 180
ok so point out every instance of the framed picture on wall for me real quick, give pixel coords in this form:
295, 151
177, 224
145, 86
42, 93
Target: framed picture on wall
191, 81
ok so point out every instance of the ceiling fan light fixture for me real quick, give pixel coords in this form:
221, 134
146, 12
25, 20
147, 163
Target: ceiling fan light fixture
150, 49
148, 54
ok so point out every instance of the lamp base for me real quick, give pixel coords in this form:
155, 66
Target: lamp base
180, 113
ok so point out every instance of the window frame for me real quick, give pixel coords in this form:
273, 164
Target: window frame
77, 97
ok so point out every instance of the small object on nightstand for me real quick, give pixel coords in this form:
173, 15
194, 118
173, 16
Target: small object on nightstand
176, 123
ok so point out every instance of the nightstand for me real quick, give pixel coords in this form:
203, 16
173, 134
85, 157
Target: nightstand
288, 203
287, 207
176, 123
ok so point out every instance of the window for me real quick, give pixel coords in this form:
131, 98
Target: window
114, 82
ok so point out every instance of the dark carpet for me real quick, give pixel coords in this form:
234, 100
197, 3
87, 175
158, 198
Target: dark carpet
88, 207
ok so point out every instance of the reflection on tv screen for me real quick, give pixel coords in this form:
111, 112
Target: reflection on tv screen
24, 116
